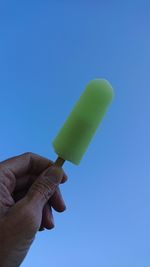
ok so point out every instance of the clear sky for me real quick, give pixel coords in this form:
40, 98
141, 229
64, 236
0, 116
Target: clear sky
49, 50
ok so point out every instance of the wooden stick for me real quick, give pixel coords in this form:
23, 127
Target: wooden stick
59, 162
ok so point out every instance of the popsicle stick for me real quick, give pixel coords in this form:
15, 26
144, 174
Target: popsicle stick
59, 162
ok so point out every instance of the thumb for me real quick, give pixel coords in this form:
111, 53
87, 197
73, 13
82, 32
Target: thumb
45, 185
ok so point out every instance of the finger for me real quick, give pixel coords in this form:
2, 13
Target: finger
45, 186
26, 168
47, 218
24, 183
27, 163
57, 202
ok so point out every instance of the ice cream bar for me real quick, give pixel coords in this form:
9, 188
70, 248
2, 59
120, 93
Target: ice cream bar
74, 137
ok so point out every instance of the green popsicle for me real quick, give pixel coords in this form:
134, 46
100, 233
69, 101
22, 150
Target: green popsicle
74, 137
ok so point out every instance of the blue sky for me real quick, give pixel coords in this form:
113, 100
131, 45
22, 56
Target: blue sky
49, 50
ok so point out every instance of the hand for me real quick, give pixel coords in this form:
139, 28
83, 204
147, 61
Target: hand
28, 190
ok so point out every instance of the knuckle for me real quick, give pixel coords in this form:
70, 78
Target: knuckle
29, 157
44, 188
28, 154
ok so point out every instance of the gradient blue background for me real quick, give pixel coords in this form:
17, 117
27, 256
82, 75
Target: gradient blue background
49, 50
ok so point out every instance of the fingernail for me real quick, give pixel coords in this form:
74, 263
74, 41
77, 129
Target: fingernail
66, 176
41, 229
63, 205
64, 208
54, 173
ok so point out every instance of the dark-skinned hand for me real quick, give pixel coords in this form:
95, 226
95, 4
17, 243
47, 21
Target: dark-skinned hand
29, 189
